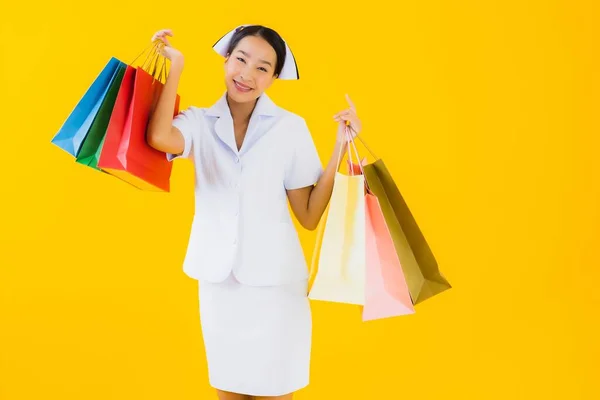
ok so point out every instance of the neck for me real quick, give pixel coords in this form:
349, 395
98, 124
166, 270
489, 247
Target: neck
240, 112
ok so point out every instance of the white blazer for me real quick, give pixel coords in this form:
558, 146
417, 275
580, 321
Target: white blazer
242, 222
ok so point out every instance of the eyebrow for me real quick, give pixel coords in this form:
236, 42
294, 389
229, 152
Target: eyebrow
248, 55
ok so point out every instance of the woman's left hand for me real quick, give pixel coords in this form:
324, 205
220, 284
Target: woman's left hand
349, 115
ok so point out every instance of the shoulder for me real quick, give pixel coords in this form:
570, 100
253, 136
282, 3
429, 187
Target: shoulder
193, 111
295, 132
191, 121
190, 117
293, 122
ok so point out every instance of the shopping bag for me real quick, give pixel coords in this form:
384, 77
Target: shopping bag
386, 291
418, 262
338, 267
354, 168
133, 159
92, 144
76, 127
108, 160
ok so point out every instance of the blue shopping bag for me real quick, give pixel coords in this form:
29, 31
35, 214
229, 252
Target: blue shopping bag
75, 129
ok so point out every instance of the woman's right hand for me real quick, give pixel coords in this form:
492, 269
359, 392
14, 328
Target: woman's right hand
166, 50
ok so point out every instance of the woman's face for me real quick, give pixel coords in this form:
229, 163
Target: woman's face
249, 69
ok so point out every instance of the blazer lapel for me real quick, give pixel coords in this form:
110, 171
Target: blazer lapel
224, 130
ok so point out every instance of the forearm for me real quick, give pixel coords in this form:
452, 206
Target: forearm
161, 119
321, 192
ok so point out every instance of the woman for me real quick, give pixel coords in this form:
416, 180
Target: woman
251, 157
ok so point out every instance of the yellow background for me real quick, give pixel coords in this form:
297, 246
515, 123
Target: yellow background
486, 113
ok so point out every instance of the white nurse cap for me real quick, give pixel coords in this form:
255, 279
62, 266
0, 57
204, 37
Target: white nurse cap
289, 70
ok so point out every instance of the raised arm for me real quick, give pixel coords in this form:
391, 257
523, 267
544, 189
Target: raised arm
309, 203
161, 133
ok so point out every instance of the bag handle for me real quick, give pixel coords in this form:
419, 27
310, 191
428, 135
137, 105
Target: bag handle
151, 62
348, 144
363, 142
351, 145
152, 68
360, 166
340, 152
153, 44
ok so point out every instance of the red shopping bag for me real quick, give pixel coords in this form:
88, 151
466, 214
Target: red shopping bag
126, 153
108, 160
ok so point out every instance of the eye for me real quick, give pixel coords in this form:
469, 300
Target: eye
263, 69
241, 59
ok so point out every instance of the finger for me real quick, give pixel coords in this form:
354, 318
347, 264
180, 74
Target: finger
163, 41
342, 115
351, 119
345, 112
352, 106
355, 121
167, 32
157, 38
162, 33
342, 121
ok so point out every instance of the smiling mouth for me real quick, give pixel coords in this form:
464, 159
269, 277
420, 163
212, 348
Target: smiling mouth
241, 86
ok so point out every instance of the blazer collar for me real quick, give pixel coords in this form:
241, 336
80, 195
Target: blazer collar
264, 107
224, 124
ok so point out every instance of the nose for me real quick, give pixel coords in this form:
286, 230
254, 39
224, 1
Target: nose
247, 74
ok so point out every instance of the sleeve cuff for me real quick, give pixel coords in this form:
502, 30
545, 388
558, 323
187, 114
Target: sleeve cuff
308, 180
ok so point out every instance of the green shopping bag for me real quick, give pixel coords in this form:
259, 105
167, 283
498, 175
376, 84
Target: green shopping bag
89, 154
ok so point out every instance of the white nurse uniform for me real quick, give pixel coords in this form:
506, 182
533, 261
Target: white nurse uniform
244, 249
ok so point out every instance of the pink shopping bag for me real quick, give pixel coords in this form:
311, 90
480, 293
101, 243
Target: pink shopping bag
386, 291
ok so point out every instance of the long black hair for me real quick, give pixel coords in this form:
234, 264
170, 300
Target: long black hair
267, 34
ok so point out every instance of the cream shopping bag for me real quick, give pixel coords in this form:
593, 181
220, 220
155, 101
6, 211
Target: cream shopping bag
338, 266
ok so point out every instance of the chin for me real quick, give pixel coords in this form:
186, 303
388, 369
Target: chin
244, 98
239, 96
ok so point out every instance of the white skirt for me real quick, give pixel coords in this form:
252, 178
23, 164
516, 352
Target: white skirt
257, 339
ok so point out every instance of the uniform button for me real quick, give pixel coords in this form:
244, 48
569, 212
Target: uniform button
234, 241
237, 160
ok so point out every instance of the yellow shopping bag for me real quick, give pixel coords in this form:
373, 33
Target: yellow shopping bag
338, 266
